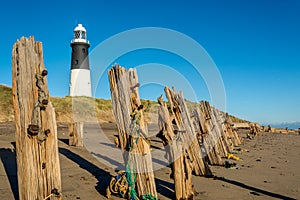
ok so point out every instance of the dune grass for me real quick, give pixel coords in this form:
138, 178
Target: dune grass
6, 105
87, 107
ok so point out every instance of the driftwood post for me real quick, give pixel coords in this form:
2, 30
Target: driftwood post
125, 99
185, 127
36, 131
228, 129
227, 145
181, 168
207, 136
76, 134
218, 136
215, 139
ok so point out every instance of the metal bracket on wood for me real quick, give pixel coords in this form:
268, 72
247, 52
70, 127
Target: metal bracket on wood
35, 127
42, 96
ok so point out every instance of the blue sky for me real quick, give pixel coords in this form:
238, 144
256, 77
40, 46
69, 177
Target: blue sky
254, 44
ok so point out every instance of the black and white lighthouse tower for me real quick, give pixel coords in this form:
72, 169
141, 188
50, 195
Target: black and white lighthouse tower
80, 77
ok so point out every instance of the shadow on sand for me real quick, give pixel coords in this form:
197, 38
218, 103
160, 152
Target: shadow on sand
255, 191
165, 188
102, 176
8, 158
118, 165
64, 140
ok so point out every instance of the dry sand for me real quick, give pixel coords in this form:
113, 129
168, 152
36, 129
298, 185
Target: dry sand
269, 169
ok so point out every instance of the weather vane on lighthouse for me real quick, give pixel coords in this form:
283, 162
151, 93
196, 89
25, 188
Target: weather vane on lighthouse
80, 77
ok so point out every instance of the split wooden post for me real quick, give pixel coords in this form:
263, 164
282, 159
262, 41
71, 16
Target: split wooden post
76, 134
36, 131
221, 136
215, 130
185, 127
228, 128
227, 144
208, 139
125, 100
181, 167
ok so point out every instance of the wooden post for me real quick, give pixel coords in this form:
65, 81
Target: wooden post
186, 128
125, 100
216, 141
76, 134
181, 167
36, 131
226, 143
208, 138
228, 128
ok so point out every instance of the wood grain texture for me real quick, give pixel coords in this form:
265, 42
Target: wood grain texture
181, 167
185, 128
207, 137
125, 98
37, 162
217, 136
76, 134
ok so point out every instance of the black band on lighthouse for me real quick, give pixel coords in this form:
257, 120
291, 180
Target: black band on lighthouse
80, 58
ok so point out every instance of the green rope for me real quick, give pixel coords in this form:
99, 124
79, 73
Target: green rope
131, 179
130, 170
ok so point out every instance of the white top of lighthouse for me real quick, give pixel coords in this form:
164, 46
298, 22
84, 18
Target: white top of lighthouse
80, 34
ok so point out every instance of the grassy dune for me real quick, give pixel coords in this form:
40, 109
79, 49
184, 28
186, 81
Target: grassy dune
84, 108
6, 106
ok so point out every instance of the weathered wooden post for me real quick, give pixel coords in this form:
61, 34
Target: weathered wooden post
132, 130
216, 141
227, 127
76, 134
208, 139
36, 131
186, 129
226, 143
181, 167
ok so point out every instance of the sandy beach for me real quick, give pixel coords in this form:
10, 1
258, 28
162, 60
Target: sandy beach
268, 169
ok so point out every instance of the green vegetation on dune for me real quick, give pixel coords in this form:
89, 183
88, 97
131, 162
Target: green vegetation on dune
237, 120
6, 105
103, 104
86, 106
64, 105
150, 106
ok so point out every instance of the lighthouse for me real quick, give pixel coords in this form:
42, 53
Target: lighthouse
80, 77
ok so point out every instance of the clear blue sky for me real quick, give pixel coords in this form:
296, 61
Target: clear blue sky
254, 43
